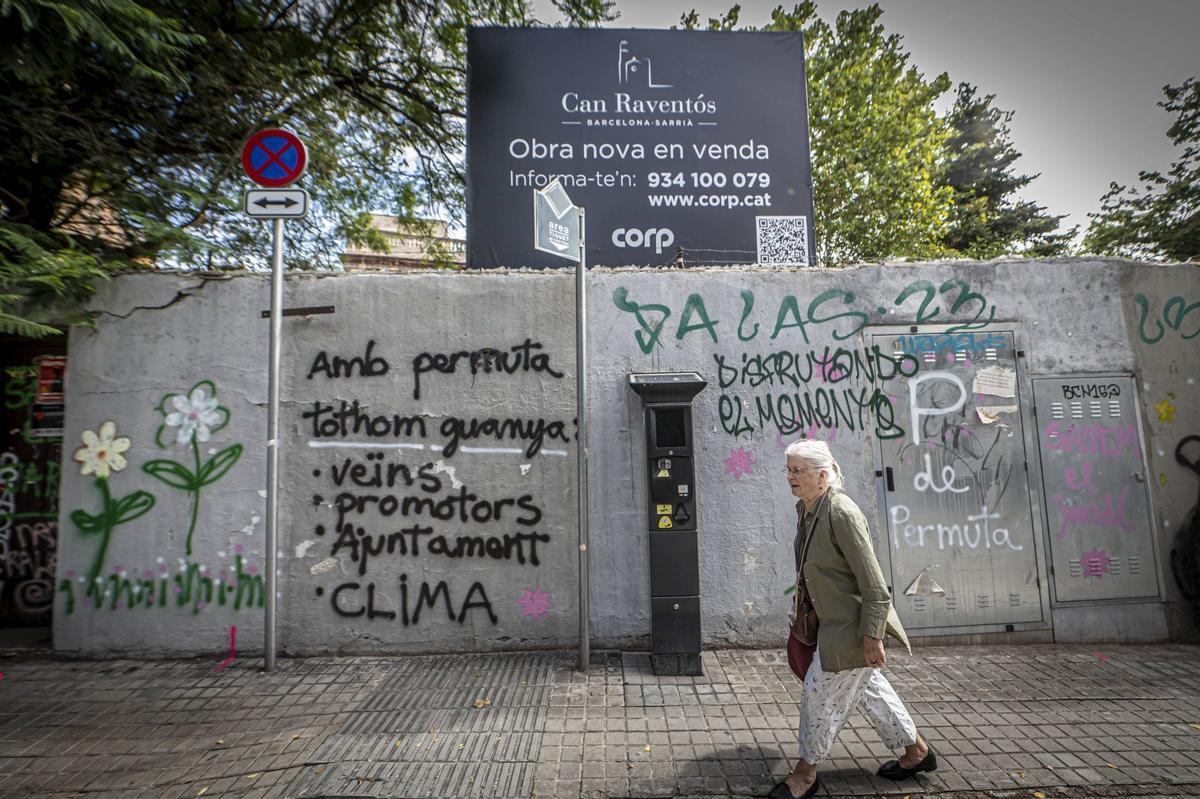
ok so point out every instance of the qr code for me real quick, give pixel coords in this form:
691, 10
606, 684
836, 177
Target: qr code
782, 240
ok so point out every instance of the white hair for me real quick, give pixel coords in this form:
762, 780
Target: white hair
817, 455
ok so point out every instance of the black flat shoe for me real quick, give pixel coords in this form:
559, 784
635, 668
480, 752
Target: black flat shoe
892, 770
782, 791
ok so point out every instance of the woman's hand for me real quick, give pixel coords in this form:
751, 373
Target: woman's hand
873, 652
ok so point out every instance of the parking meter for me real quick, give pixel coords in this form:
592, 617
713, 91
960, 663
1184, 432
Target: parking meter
671, 519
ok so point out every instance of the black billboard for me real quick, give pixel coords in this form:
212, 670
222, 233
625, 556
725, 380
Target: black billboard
667, 139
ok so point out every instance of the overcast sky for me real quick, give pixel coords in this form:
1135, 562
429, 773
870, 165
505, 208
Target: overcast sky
1083, 76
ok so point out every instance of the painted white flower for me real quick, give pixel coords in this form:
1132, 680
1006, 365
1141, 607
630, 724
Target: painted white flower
101, 451
195, 414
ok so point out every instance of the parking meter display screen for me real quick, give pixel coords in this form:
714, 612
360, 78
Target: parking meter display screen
670, 427
677, 144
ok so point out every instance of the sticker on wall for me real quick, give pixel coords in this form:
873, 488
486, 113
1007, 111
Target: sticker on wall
924, 585
996, 381
992, 414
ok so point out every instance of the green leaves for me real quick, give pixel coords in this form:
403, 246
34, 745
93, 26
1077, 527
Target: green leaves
123, 120
988, 219
218, 465
115, 512
173, 474
86, 522
132, 506
179, 476
1160, 220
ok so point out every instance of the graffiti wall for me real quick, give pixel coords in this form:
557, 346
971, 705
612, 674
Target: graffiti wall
919, 378
431, 448
1162, 317
428, 446
30, 454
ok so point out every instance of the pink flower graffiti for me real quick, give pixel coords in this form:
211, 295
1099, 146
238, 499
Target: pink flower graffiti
534, 603
739, 462
1095, 563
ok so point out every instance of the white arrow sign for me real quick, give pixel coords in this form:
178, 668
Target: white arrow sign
276, 203
555, 222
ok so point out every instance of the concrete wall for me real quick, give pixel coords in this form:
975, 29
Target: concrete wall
426, 500
476, 452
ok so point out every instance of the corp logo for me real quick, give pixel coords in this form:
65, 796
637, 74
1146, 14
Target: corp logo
657, 237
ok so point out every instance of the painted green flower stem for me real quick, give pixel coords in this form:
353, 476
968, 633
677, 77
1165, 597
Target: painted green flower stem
106, 516
194, 509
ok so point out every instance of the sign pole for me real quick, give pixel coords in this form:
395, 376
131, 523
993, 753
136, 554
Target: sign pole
557, 225
275, 159
582, 448
273, 439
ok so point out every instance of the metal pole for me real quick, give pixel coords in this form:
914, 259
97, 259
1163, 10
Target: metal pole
273, 439
582, 448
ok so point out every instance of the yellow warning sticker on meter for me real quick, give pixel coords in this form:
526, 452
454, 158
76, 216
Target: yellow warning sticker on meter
664, 523
662, 509
663, 473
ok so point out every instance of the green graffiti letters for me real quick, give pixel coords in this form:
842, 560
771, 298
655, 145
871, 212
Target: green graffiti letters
20, 388
647, 337
847, 298
192, 418
965, 296
695, 306
1174, 312
192, 585
747, 307
827, 309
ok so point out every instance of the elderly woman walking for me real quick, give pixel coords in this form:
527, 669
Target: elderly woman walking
838, 571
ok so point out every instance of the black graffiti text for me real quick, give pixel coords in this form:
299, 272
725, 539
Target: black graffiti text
376, 474
790, 412
788, 369
1091, 390
519, 358
534, 431
463, 507
406, 542
337, 366
351, 606
349, 418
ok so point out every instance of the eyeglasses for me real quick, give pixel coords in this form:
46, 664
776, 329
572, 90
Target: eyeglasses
792, 471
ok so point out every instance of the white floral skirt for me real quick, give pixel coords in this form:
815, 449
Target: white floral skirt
829, 698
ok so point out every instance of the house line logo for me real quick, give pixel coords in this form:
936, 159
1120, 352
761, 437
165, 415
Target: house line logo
636, 74
628, 65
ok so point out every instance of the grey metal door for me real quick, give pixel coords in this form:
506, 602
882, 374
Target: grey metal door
955, 492
1094, 481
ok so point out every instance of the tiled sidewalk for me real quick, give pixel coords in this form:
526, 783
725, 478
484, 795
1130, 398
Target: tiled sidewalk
1007, 721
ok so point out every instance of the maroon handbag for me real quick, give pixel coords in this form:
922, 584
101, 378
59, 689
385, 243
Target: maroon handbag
800, 656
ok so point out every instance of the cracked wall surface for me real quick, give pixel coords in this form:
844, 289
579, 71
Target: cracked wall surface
428, 444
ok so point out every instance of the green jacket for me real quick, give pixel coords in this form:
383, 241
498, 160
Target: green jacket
845, 582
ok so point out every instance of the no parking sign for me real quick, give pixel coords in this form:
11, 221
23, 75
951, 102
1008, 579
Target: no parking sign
274, 158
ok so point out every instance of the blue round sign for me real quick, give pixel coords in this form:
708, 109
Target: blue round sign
274, 158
